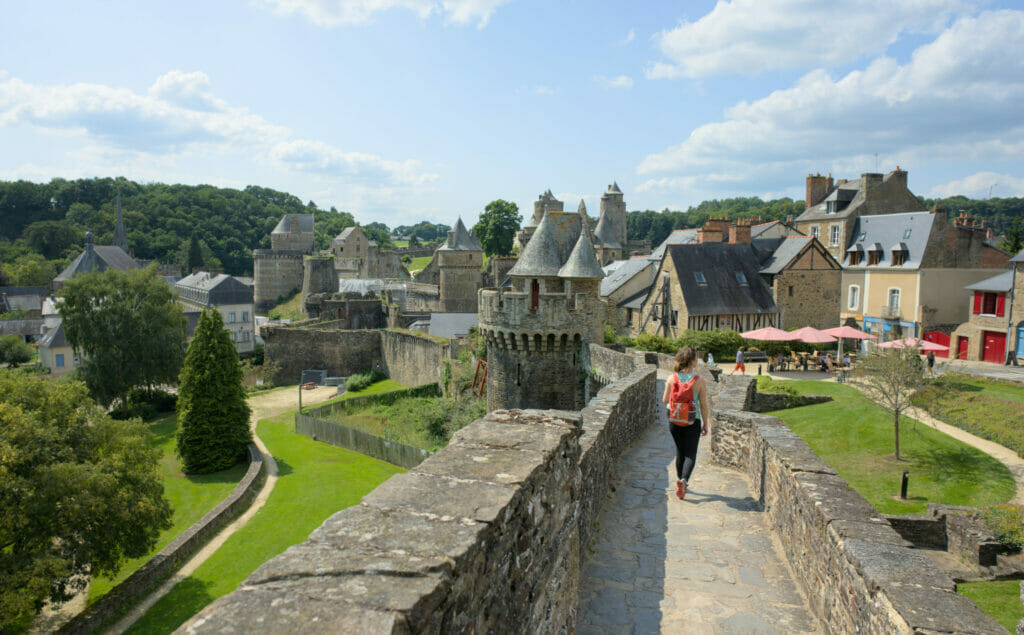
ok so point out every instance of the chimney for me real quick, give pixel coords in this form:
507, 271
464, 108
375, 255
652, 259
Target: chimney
739, 234
869, 180
818, 188
709, 234
897, 176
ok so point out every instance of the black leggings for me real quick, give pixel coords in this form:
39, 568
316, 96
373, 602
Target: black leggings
687, 439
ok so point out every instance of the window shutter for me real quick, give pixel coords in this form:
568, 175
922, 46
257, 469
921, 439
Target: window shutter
977, 302
1000, 304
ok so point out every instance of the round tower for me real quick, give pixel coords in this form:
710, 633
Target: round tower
538, 332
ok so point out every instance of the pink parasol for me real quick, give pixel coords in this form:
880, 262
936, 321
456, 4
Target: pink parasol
768, 334
849, 333
811, 335
913, 342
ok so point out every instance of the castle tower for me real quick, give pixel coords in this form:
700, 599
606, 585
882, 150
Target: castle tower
318, 277
606, 241
614, 207
460, 261
538, 332
278, 271
546, 202
120, 236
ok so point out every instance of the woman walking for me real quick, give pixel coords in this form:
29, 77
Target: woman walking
689, 415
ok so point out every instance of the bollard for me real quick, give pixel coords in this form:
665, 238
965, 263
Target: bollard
903, 487
758, 369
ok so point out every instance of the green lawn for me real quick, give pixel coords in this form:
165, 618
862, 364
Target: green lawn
855, 437
999, 599
288, 310
376, 388
989, 409
190, 497
990, 387
315, 480
418, 264
400, 243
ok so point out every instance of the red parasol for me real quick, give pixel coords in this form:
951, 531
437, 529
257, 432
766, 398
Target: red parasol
768, 334
811, 335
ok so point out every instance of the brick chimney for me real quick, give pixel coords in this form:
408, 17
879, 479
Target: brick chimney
818, 187
739, 234
712, 232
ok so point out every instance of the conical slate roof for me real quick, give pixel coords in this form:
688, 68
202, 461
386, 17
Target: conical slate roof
460, 240
582, 264
540, 257
604, 233
614, 188
582, 209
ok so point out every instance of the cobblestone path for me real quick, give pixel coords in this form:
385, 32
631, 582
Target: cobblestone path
708, 564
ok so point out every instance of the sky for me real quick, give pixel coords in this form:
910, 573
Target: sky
407, 110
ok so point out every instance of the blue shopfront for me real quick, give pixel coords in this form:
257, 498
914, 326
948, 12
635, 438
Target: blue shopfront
882, 328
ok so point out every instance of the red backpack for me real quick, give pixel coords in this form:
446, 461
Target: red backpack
681, 409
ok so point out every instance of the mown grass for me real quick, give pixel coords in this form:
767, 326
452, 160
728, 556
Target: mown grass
288, 310
422, 422
418, 264
190, 498
855, 437
989, 409
376, 388
998, 599
314, 481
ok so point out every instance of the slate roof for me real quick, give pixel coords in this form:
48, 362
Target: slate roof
345, 233
97, 258
460, 240
784, 253
54, 338
1019, 257
677, 237
842, 194
614, 188
604, 233
874, 232
305, 224
451, 324
550, 246
622, 272
757, 230
582, 263
635, 301
364, 287
1002, 282
722, 293
23, 298
221, 288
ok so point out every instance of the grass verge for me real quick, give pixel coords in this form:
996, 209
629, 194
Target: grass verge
290, 309
998, 599
376, 388
190, 497
314, 481
855, 437
989, 409
418, 264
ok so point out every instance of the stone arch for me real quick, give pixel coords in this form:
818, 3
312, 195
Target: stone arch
564, 346
551, 342
537, 342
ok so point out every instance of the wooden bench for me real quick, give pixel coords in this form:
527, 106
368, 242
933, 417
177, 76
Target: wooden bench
754, 356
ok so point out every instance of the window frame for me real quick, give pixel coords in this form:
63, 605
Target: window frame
889, 296
700, 277
833, 235
853, 297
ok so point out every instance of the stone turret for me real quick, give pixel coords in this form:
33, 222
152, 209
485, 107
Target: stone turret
460, 262
546, 202
614, 208
279, 270
537, 332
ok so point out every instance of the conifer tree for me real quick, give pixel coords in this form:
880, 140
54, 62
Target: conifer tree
213, 417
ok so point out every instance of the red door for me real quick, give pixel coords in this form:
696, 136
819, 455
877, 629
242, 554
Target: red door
995, 347
961, 347
938, 337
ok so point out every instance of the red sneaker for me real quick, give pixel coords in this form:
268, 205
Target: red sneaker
681, 489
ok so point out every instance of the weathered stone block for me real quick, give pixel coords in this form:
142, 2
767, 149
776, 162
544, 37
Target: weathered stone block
929, 610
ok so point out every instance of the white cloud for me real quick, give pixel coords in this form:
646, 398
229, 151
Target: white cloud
321, 158
622, 81
333, 13
179, 116
958, 97
980, 185
749, 36
542, 89
629, 38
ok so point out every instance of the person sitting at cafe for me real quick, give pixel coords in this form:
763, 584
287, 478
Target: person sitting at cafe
846, 360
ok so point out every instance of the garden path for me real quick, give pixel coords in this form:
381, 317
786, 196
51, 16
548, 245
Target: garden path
709, 564
263, 406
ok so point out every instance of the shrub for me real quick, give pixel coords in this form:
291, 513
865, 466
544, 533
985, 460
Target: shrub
609, 335
766, 384
1006, 522
361, 381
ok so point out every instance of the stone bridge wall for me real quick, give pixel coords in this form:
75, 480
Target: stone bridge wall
859, 575
487, 535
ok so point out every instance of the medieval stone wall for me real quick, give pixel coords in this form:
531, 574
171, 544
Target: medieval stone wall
275, 274
487, 535
814, 300
857, 573
413, 359
320, 345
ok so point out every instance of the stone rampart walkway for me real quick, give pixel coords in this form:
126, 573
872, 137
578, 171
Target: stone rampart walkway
708, 564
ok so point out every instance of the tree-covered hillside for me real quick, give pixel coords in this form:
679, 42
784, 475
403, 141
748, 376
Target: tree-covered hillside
49, 220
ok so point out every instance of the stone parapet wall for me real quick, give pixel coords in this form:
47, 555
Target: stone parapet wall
487, 535
174, 555
859, 575
413, 359
768, 401
320, 346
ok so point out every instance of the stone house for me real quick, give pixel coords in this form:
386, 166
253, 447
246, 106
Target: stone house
233, 298
624, 288
804, 279
27, 300
1016, 303
95, 258
278, 271
356, 256
832, 208
56, 353
706, 287
907, 269
983, 336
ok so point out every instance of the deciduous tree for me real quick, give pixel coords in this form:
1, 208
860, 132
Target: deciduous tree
213, 417
14, 350
890, 377
79, 493
129, 327
497, 227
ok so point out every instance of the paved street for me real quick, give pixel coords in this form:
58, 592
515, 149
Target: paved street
704, 565
983, 369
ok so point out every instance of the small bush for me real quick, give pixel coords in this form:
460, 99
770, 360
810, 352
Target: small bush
609, 335
1006, 522
361, 381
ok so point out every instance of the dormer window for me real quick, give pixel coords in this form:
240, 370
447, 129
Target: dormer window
700, 277
740, 278
906, 234
875, 254
831, 207
854, 258
898, 258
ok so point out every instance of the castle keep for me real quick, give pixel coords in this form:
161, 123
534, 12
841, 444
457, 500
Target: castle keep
278, 271
459, 261
538, 331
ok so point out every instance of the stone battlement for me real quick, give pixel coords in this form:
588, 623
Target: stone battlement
511, 313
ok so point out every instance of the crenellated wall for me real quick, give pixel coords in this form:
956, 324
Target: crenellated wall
859, 575
487, 535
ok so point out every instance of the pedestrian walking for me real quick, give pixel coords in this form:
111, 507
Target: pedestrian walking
739, 363
688, 414
931, 363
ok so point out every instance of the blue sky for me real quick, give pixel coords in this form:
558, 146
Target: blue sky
402, 110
